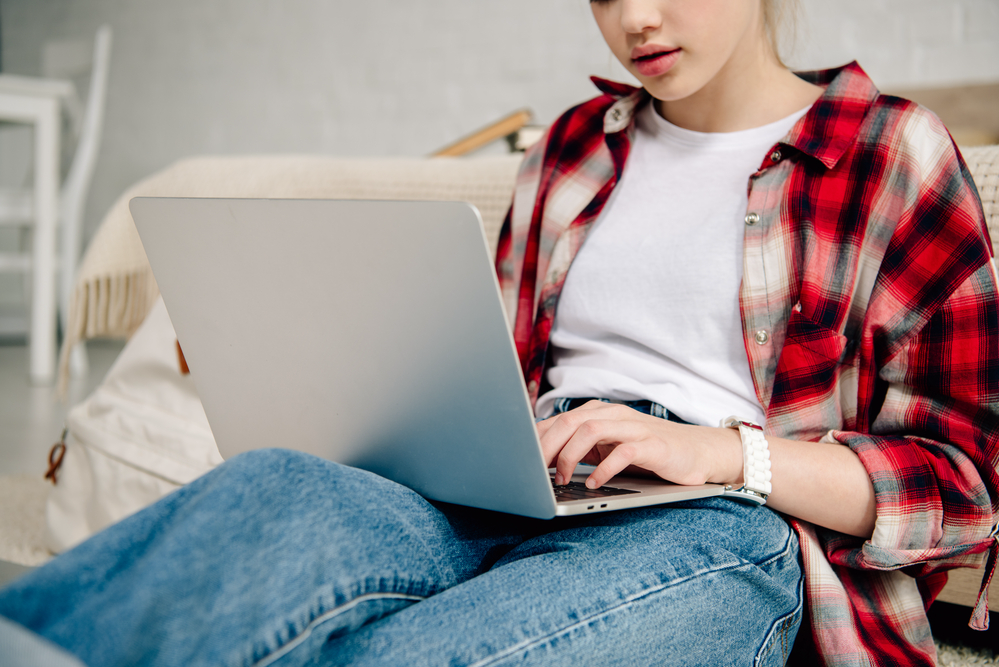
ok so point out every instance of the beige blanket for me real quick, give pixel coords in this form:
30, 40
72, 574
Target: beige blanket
115, 287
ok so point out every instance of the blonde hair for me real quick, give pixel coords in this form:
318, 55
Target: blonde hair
780, 20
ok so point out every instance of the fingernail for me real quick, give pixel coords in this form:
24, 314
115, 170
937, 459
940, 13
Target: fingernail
590, 484
559, 480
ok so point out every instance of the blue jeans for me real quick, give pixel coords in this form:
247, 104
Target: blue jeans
281, 558
648, 407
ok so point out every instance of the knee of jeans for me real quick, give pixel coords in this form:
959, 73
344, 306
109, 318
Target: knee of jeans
267, 461
286, 474
276, 469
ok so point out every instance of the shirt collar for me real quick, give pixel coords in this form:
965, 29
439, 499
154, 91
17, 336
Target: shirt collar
626, 100
831, 126
826, 132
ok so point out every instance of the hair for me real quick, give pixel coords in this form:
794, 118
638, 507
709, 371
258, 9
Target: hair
780, 20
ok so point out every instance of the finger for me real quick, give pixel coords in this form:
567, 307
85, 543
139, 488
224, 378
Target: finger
545, 424
619, 459
557, 430
590, 434
554, 433
596, 404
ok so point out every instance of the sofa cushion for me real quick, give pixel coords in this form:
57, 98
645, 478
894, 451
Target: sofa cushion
983, 162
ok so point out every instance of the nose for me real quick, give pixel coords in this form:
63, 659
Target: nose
638, 16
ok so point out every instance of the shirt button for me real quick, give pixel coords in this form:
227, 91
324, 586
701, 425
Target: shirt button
752, 218
775, 156
532, 386
615, 114
762, 337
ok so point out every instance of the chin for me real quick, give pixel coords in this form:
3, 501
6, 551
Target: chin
669, 92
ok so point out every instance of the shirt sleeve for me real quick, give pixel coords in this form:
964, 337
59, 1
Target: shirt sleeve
932, 449
512, 246
935, 486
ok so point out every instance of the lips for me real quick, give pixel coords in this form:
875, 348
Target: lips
654, 60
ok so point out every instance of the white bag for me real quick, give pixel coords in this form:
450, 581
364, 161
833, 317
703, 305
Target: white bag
142, 434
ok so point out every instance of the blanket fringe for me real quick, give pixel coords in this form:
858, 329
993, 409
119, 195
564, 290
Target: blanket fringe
108, 306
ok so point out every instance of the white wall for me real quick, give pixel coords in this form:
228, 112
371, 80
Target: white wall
379, 77
906, 43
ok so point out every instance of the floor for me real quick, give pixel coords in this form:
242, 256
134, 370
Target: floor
32, 418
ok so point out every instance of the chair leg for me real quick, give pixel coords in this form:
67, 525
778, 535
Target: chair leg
42, 348
23, 235
79, 363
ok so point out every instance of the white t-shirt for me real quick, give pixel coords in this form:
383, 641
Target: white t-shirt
650, 306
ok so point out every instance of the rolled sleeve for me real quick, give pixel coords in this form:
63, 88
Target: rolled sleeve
933, 450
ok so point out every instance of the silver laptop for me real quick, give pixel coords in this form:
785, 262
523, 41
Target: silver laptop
370, 333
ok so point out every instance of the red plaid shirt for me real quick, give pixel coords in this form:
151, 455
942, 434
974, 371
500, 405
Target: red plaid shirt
870, 317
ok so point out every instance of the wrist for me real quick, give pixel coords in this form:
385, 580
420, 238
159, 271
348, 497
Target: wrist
727, 461
756, 486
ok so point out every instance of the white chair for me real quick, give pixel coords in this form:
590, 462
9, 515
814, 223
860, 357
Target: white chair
62, 62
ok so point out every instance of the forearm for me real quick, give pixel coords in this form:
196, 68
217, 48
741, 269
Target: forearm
822, 483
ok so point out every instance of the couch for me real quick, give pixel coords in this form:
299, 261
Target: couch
115, 288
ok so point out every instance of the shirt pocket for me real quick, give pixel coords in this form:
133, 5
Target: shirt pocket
815, 387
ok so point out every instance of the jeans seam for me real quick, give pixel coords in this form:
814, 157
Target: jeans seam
788, 546
781, 625
306, 632
623, 604
527, 644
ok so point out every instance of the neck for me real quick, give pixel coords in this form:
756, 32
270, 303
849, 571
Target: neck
752, 90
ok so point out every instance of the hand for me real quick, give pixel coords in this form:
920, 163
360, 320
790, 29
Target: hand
820, 482
616, 438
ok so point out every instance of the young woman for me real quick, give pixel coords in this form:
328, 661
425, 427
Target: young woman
730, 238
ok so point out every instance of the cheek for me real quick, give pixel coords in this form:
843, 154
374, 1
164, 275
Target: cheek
605, 22
610, 27
725, 24
710, 25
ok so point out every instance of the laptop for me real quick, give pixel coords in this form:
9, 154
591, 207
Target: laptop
370, 333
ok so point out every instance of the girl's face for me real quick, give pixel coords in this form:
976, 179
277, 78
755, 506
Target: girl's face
676, 48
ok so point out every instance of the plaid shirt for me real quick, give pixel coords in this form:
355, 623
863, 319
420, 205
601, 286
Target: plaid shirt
870, 317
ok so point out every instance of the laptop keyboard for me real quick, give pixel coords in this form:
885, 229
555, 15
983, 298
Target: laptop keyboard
578, 491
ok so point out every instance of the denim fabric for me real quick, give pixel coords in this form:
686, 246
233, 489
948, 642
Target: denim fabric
281, 558
648, 407
23, 648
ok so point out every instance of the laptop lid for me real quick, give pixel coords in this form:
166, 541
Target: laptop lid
370, 333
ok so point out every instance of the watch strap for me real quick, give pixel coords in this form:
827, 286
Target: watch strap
755, 463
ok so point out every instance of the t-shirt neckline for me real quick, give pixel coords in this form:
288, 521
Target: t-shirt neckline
650, 120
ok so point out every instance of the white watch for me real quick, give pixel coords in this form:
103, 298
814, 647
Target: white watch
755, 463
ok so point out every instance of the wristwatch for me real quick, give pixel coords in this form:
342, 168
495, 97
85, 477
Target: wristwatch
755, 463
